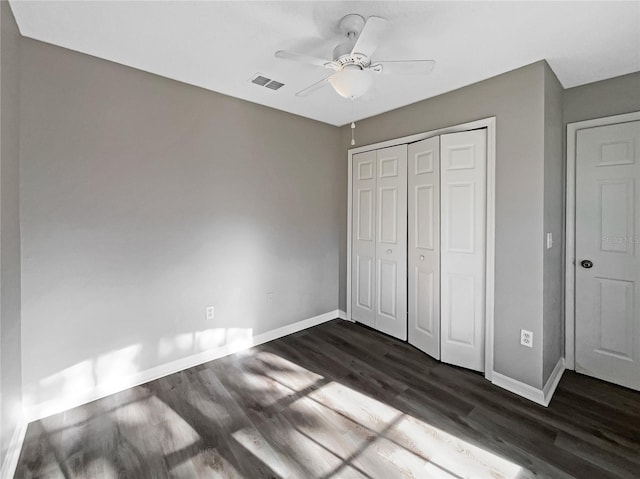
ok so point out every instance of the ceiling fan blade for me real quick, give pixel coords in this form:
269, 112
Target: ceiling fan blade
316, 86
302, 58
369, 37
406, 67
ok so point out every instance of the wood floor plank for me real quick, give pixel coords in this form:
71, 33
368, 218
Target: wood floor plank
338, 400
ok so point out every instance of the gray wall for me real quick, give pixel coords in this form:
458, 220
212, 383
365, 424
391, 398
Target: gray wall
604, 98
143, 200
517, 99
10, 357
554, 170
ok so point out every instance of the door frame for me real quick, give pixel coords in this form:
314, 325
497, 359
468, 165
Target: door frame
570, 228
490, 125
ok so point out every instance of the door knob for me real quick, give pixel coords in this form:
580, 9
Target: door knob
421, 257
389, 251
585, 263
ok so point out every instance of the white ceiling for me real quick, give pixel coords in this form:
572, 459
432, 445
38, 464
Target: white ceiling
219, 45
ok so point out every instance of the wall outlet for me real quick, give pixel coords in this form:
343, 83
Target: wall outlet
210, 312
549, 240
526, 338
270, 297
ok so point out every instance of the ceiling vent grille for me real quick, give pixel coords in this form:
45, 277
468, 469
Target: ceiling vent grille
274, 85
262, 80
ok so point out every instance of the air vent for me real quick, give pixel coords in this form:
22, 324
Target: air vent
274, 85
262, 80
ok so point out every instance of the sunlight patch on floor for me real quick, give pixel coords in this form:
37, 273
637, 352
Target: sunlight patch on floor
255, 443
358, 407
167, 433
287, 373
101, 467
373, 430
207, 463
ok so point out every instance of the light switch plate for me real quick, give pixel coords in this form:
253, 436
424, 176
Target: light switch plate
549, 240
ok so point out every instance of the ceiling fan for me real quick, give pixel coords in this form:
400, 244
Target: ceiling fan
352, 61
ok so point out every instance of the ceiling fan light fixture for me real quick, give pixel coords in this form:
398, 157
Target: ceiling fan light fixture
351, 82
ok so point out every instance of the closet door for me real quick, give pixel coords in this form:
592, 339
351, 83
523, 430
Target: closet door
391, 244
363, 238
424, 245
463, 238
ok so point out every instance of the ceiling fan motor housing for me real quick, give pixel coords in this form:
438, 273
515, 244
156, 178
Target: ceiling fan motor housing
342, 55
351, 26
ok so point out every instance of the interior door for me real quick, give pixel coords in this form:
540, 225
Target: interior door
391, 244
424, 245
363, 238
463, 248
607, 258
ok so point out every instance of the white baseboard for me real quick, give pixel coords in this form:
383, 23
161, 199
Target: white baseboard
41, 410
343, 315
553, 381
540, 396
10, 461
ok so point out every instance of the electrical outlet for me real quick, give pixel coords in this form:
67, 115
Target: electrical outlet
526, 338
210, 312
270, 297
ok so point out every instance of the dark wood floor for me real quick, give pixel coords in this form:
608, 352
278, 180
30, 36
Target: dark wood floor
338, 400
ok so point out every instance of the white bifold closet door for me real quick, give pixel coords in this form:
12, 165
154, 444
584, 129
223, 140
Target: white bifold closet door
447, 245
379, 240
424, 245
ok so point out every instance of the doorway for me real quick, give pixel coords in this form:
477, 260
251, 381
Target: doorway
603, 249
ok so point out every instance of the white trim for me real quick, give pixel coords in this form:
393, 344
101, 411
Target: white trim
491, 247
539, 396
570, 249
10, 460
472, 125
517, 387
490, 125
343, 315
44, 409
349, 220
553, 381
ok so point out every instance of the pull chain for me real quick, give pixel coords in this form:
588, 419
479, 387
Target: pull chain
353, 126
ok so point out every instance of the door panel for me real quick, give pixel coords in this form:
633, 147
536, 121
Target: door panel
424, 245
461, 318
615, 331
460, 217
388, 218
364, 286
387, 287
363, 239
391, 249
608, 234
462, 258
365, 208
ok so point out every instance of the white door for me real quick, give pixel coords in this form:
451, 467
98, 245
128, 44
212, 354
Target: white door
423, 166
463, 248
363, 238
379, 240
391, 244
607, 253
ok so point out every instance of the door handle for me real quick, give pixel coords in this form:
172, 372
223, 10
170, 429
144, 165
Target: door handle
585, 263
389, 251
421, 257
